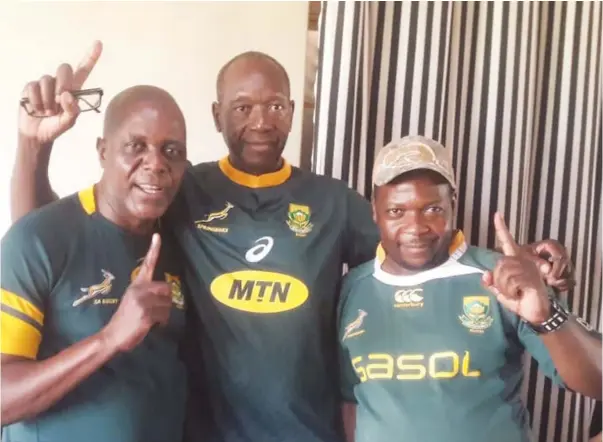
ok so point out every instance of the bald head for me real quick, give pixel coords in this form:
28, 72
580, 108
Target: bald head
251, 61
136, 98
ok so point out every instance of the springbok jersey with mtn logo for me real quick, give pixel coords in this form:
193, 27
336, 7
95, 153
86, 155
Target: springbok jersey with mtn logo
433, 356
265, 263
64, 271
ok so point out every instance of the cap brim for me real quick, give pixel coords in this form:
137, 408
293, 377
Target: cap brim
395, 173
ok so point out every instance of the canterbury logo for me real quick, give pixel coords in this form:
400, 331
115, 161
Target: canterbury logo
409, 295
97, 289
412, 298
352, 328
222, 214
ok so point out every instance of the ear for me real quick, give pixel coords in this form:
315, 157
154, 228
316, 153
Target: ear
374, 210
292, 104
453, 200
101, 149
215, 111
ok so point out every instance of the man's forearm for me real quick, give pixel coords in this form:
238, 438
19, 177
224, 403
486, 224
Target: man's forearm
348, 414
576, 353
31, 387
30, 186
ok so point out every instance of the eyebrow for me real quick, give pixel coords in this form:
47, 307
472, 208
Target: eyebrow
139, 137
438, 200
245, 96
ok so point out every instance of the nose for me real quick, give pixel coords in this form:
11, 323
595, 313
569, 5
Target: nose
257, 118
414, 222
154, 160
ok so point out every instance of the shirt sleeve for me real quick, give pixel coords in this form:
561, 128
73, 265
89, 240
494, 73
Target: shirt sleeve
348, 378
25, 285
362, 235
536, 348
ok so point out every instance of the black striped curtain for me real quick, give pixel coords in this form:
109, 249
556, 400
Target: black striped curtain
514, 89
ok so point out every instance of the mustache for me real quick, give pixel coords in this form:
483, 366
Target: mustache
417, 242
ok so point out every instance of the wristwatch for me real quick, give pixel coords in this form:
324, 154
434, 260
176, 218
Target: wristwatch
559, 316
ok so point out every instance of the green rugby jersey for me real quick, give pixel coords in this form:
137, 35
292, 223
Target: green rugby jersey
433, 356
64, 270
265, 261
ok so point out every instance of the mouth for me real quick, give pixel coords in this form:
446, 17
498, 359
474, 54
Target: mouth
417, 248
267, 145
151, 190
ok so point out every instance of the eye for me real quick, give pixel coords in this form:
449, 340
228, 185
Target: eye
174, 151
135, 146
243, 108
394, 211
434, 210
276, 107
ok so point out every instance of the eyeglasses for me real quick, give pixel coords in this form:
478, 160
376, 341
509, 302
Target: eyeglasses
87, 100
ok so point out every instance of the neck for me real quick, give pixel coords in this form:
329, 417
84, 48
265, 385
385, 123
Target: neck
255, 170
112, 209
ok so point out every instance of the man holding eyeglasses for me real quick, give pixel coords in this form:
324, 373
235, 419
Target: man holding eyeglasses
92, 305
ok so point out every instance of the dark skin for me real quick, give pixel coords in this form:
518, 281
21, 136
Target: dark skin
143, 154
254, 112
415, 217
415, 233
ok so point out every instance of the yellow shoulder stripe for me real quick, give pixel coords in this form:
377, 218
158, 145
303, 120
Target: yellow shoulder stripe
87, 200
17, 337
21, 305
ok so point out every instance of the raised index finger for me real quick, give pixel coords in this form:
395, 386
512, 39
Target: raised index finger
86, 65
147, 267
507, 242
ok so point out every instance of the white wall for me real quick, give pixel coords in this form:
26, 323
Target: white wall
177, 46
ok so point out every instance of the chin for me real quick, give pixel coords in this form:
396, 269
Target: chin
150, 212
260, 154
417, 263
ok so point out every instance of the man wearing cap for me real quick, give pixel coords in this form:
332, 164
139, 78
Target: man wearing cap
432, 331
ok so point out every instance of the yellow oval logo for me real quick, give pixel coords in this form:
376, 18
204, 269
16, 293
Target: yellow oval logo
257, 291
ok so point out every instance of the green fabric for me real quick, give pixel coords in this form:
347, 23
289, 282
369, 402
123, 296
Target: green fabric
265, 278
51, 258
434, 356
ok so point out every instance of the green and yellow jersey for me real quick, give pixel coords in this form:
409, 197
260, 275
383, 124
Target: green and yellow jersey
433, 356
265, 261
64, 270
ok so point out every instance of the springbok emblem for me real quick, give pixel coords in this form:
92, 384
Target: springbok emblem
220, 215
354, 325
97, 289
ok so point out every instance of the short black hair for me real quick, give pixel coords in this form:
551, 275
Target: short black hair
250, 55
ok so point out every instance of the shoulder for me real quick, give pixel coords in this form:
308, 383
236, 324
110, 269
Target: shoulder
38, 245
357, 277
199, 175
480, 258
194, 190
202, 169
354, 283
320, 181
202, 172
47, 225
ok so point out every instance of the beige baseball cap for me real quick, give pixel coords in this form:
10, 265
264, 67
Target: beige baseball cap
412, 153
